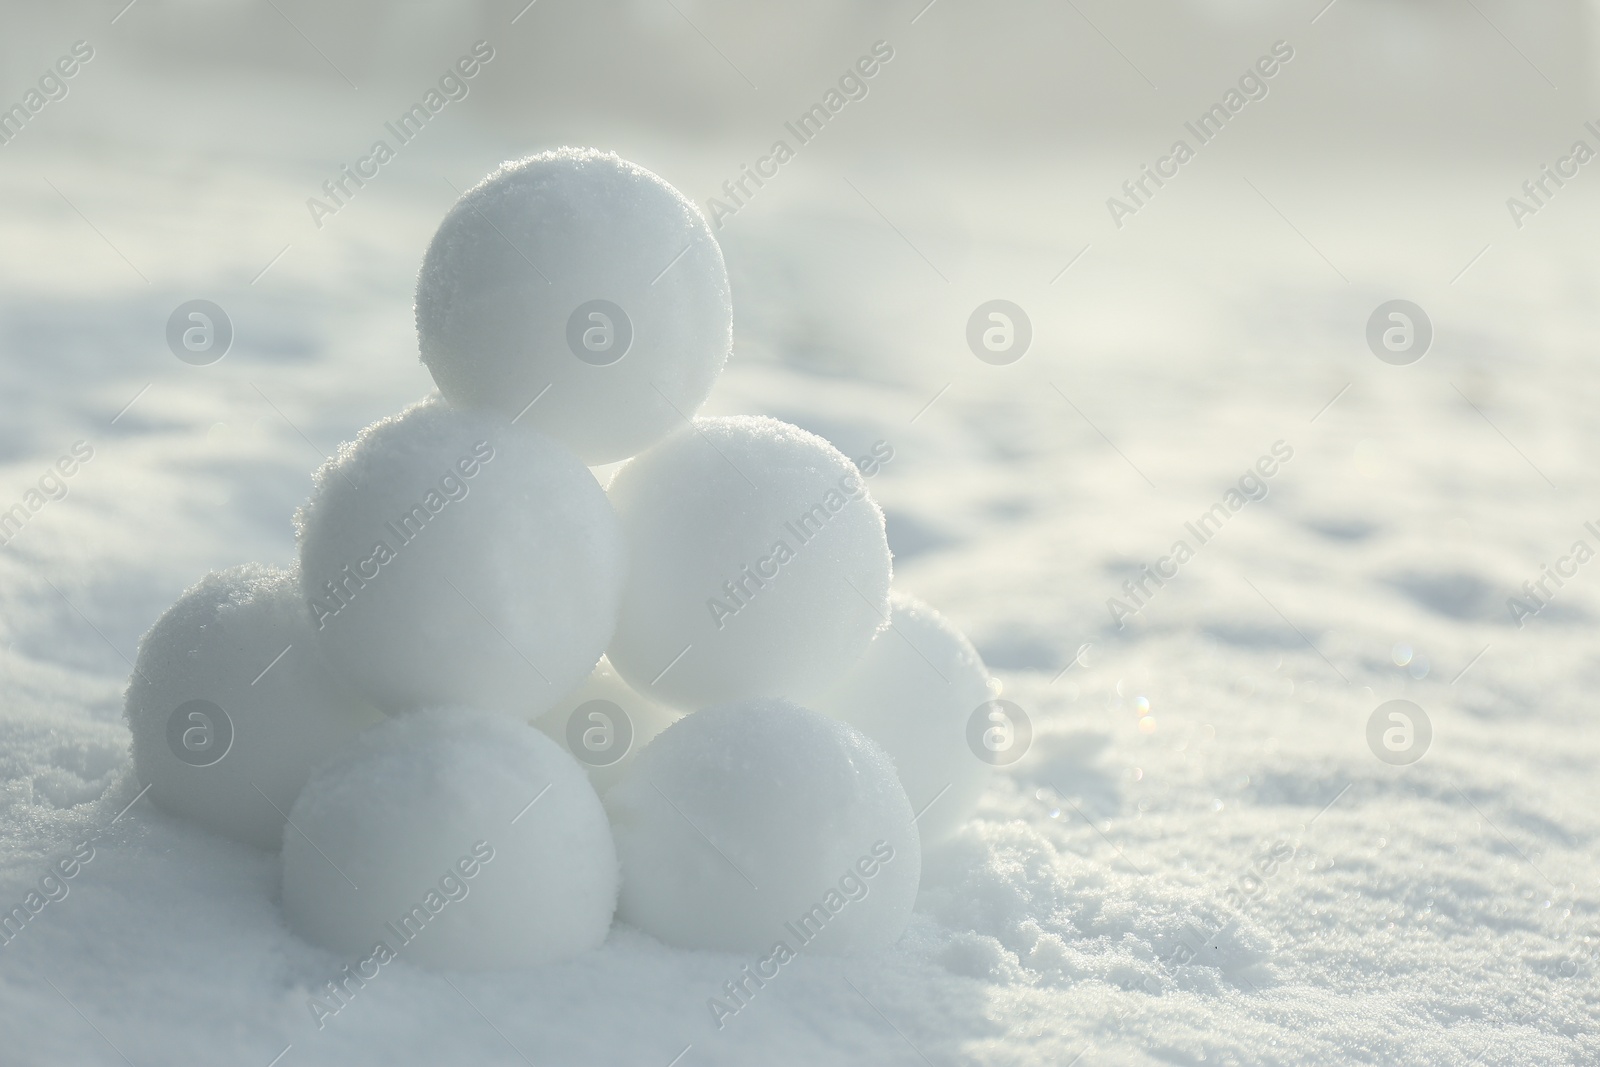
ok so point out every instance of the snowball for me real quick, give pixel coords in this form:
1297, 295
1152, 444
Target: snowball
455, 838
579, 273
453, 557
605, 722
759, 565
761, 821
913, 693
230, 707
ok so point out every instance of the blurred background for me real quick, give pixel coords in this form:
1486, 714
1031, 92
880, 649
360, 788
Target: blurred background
980, 164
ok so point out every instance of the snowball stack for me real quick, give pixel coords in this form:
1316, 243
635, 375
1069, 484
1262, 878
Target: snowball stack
462, 572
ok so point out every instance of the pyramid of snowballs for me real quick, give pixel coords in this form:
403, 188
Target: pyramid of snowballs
478, 639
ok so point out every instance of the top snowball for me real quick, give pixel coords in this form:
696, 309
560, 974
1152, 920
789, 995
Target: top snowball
583, 285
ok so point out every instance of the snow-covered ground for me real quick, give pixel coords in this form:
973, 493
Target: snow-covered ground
1200, 860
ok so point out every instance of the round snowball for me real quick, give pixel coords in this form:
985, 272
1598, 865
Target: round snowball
454, 838
452, 557
759, 566
761, 821
913, 693
605, 723
579, 273
230, 708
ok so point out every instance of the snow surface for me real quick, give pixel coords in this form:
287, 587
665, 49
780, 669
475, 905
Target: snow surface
1443, 913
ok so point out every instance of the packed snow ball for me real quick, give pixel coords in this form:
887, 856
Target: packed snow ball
452, 557
760, 822
230, 708
758, 564
913, 693
605, 723
454, 838
582, 285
